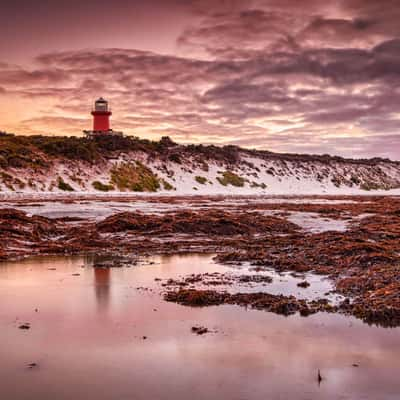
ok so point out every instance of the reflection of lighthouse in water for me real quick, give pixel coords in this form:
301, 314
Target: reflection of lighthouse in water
102, 287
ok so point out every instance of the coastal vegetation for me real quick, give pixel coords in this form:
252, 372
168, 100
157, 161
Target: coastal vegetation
102, 186
230, 178
135, 177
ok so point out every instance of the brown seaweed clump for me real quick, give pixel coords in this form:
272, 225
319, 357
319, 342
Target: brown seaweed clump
209, 222
279, 304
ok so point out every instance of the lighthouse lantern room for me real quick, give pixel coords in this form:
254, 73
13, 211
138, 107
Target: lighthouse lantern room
101, 120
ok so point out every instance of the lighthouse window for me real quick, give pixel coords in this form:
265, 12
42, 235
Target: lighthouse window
101, 106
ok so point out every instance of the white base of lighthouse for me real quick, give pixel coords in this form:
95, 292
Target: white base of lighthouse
110, 132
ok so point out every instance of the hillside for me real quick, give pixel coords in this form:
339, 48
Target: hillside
39, 164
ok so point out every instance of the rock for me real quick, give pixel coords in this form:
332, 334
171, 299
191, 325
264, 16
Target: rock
199, 330
319, 377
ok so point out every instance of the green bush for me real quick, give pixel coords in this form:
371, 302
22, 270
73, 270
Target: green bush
201, 179
135, 177
369, 185
102, 187
229, 178
167, 185
64, 185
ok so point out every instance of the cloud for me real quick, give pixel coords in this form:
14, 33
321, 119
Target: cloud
340, 33
237, 35
269, 74
19, 77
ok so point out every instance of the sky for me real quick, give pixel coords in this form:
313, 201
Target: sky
307, 76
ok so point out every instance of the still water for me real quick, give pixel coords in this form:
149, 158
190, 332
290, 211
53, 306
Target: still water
87, 339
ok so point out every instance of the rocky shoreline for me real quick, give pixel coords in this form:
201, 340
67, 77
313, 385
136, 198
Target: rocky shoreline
363, 260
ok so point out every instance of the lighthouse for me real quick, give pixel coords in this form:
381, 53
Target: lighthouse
101, 116
101, 120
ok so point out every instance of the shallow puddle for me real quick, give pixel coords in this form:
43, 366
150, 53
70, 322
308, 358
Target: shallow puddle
87, 329
315, 223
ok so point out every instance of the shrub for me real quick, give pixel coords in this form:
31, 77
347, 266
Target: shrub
258, 185
102, 187
175, 157
73, 148
230, 178
201, 179
167, 185
134, 176
166, 141
369, 185
64, 185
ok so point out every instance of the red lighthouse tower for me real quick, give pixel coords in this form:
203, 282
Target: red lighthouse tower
101, 120
101, 116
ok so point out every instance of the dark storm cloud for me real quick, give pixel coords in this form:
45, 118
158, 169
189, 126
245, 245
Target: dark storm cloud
221, 96
283, 75
126, 66
384, 13
19, 76
292, 24
339, 33
244, 31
